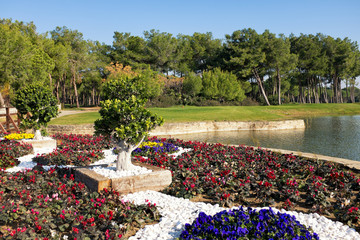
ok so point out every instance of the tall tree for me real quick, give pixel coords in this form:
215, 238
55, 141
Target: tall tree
161, 50
338, 52
246, 56
205, 50
77, 56
22, 58
278, 57
312, 62
129, 50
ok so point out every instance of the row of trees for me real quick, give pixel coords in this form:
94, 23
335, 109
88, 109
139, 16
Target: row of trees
265, 67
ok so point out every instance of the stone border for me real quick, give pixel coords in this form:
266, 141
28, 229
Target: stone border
197, 127
346, 162
191, 127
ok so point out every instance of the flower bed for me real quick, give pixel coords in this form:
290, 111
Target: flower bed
250, 224
230, 175
69, 157
75, 149
155, 145
41, 205
10, 150
79, 142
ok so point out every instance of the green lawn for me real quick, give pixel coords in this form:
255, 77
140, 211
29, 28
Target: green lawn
230, 113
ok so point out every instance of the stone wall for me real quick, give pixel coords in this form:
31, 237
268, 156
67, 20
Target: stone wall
77, 129
191, 127
196, 127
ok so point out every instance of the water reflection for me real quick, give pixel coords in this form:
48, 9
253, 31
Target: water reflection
332, 136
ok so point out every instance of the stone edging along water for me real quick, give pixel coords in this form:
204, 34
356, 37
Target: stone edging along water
191, 127
346, 162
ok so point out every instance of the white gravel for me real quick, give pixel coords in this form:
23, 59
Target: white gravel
176, 212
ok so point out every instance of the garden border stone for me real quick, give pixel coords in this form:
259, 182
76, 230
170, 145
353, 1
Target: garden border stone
156, 180
192, 127
44, 143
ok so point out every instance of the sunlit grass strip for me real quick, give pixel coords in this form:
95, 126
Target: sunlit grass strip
230, 113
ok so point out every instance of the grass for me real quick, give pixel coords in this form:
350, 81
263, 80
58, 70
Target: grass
230, 113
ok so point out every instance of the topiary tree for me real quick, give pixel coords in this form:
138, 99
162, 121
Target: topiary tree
127, 122
41, 105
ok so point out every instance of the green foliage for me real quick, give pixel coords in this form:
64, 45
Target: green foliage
145, 85
210, 85
152, 84
222, 85
192, 84
123, 88
126, 120
39, 102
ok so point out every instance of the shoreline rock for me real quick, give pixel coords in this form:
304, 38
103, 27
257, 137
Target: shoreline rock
192, 127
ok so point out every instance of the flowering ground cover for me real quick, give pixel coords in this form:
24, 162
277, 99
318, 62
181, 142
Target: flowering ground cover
38, 204
154, 145
247, 224
248, 176
75, 149
19, 136
226, 175
81, 142
10, 150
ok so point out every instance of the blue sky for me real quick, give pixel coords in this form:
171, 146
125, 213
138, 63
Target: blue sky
98, 20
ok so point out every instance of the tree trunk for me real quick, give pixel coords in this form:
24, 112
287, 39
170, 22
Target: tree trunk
308, 92
57, 91
74, 84
123, 162
279, 85
258, 79
76, 92
93, 96
2, 102
50, 78
340, 91
326, 97
347, 91
63, 90
352, 90
37, 134
336, 90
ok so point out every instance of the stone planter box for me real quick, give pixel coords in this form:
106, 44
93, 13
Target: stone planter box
44, 143
157, 180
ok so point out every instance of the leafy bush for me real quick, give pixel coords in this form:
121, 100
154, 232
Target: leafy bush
39, 102
50, 205
250, 224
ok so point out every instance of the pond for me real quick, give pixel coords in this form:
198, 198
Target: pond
331, 136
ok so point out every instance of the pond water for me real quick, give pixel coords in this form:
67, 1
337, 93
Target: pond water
331, 136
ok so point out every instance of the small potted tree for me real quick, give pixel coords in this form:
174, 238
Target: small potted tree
36, 106
124, 117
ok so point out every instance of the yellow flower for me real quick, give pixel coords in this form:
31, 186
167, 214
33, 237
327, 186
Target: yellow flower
150, 144
18, 136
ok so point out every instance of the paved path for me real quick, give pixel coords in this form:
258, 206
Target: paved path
69, 112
